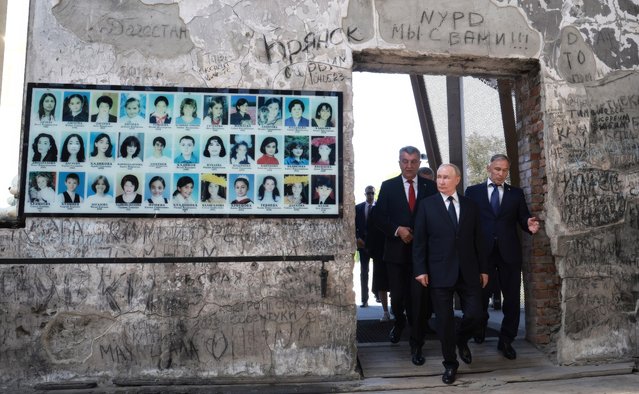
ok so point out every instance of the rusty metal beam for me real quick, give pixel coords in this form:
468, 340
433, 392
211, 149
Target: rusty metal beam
455, 100
504, 87
426, 121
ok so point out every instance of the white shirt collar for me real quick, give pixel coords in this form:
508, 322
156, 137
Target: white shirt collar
445, 197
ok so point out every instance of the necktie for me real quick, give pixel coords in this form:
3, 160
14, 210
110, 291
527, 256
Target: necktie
451, 211
494, 199
411, 196
368, 212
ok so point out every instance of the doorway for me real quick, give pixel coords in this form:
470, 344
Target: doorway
395, 123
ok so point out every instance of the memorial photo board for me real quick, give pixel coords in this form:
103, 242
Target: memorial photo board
91, 150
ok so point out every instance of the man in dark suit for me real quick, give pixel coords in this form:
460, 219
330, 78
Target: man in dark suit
502, 207
362, 214
397, 203
448, 257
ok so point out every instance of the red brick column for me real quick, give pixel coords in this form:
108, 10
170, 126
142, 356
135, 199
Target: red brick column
541, 280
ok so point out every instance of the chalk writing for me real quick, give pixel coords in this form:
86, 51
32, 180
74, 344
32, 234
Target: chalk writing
591, 198
293, 51
116, 27
454, 29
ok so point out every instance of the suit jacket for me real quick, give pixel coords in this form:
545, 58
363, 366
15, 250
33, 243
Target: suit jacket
374, 238
392, 211
360, 221
443, 252
501, 228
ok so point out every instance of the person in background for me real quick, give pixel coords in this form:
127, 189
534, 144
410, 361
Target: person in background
362, 214
502, 208
375, 247
426, 172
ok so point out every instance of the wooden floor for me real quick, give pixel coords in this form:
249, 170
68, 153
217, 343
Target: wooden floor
383, 363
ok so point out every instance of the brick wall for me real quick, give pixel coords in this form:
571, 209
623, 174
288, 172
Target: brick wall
542, 286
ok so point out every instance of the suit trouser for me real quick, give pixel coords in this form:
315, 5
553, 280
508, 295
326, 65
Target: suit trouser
509, 277
364, 262
471, 297
399, 281
422, 311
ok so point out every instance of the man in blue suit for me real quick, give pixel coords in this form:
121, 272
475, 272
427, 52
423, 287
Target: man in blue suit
502, 208
362, 212
394, 213
448, 258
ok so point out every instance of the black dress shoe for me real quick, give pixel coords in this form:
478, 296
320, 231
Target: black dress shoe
417, 356
497, 304
449, 375
364, 304
464, 352
395, 334
507, 350
481, 335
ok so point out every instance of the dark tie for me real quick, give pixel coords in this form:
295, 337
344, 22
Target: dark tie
451, 211
411, 196
494, 198
368, 212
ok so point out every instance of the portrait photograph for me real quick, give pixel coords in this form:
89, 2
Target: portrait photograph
47, 106
156, 191
188, 111
243, 108
160, 109
100, 189
216, 110
269, 111
75, 107
133, 108
104, 108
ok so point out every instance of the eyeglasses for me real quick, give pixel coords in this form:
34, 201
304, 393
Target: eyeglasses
367, 193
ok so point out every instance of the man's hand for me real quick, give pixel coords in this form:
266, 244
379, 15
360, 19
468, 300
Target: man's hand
533, 225
405, 233
483, 279
423, 279
360, 243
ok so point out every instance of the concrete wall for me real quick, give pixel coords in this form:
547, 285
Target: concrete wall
110, 312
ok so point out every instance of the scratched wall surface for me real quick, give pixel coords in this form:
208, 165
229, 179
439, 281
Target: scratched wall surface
105, 319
